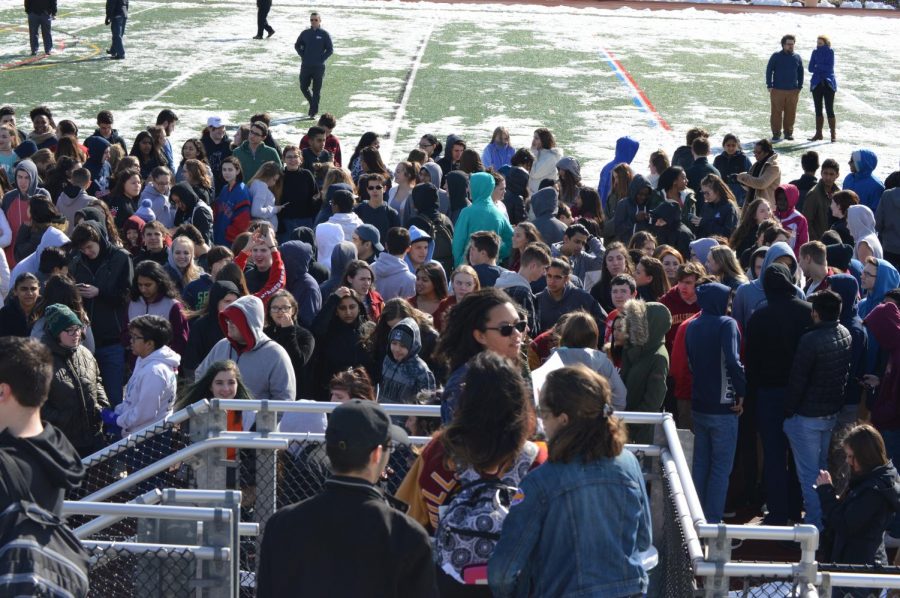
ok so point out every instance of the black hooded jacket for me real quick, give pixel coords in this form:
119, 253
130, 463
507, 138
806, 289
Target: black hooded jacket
205, 331
855, 523
48, 465
112, 273
774, 330
514, 198
196, 212
674, 233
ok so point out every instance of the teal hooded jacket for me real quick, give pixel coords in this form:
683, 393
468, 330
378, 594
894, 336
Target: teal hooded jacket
482, 215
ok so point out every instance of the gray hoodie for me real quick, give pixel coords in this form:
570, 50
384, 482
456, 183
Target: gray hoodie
750, 296
264, 364
393, 278
67, 205
544, 204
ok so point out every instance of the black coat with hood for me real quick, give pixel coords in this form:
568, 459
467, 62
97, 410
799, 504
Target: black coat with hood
76, 396
673, 233
855, 524
516, 191
297, 257
428, 217
318, 271
774, 330
338, 345
196, 212
48, 465
625, 220
112, 273
458, 190
205, 331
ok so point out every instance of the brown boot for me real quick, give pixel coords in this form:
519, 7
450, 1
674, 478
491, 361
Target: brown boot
832, 125
820, 122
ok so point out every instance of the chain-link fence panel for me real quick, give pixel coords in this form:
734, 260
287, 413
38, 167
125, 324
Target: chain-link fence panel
676, 573
119, 573
129, 455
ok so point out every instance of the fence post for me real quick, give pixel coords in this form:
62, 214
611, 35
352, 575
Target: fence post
716, 586
209, 466
265, 501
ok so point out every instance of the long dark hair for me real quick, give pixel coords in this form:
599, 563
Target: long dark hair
371, 160
367, 139
394, 309
61, 289
200, 389
457, 344
435, 273
233, 273
592, 432
118, 189
867, 446
654, 268
164, 284
493, 418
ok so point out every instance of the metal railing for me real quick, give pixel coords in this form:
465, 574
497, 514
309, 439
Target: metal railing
274, 469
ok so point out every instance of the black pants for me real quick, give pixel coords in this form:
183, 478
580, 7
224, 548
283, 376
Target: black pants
823, 92
262, 21
312, 75
892, 258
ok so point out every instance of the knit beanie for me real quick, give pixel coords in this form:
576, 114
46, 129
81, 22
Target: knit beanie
58, 317
403, 335
145, 211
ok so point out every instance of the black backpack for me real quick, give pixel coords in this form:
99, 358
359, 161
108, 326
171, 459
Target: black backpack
443, 246
39, 554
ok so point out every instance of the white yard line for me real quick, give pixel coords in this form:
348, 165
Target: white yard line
400, 115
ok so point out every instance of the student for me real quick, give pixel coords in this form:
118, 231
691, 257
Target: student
786, 198
533, 266
316, 159
561, 297
817, 203
719, 213
253, 152
393, 278
584, 252
403, 373
700, 168
586, 451
155, 237
265, 274
263, 188
151, 389
342, 203
298, 194
232, 208
15, 202
154, 292
421, 249
332, 144
482, 215
191, 210
809, 161
15, 315
545, 204
310, 544
74, 196
46, 462
732, 161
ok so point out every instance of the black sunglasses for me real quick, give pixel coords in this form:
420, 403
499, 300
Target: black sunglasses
376, 187
507, 329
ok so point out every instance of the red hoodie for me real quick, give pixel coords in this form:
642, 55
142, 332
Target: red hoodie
680, 309
884, 324
793, 220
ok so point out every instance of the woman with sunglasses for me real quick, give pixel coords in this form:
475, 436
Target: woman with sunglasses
76, 390
485, 320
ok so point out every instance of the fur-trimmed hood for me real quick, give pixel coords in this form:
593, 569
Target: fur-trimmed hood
646, 324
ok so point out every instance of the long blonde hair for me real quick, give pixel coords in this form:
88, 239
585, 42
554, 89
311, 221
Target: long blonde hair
267, 172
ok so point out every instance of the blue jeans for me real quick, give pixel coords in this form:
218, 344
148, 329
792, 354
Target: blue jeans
715, 440
117, 26
40, 21
810, 438
779, 477
111, 360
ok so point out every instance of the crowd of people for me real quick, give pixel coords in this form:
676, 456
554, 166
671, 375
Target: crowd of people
762, 313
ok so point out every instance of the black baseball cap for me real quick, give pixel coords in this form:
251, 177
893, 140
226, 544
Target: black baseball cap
359, 425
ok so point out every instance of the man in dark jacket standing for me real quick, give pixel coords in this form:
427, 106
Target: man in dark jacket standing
349, 540
784, 78
40, 15
816, 395
262, 19
116, 17
772, 335
314, 47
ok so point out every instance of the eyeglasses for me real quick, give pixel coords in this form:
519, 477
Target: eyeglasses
73, 330
508, 329
255, 133
292, 157
280, 308
425, 145
869, 274
375, 188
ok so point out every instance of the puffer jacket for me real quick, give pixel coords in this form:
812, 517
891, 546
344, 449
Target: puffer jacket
819, 372
76, 396
401, 381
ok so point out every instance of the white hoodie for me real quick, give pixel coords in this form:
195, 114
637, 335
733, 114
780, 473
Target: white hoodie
150, 392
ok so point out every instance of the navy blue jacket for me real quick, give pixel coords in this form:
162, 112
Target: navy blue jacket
718, 376
314, 47
784, 71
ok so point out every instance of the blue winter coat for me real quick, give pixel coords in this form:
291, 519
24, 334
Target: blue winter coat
626, 150
868, 186
821, 65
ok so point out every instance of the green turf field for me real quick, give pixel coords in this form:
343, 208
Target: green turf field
404, 69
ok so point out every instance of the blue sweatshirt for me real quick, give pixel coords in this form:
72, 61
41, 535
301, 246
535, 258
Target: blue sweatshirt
718, 376
784, 71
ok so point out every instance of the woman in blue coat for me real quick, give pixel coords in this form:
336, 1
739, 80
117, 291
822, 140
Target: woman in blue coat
823, 85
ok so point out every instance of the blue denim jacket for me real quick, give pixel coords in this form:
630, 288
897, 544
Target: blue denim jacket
577, 531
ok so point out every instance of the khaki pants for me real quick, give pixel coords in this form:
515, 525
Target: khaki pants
784, 105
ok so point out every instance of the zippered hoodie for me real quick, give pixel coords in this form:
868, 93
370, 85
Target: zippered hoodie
718, 376
884, 325
750, 296
482, 215
264, 364
793, 220
868, 186
861, 223
150, 392
297, 256
401, 381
